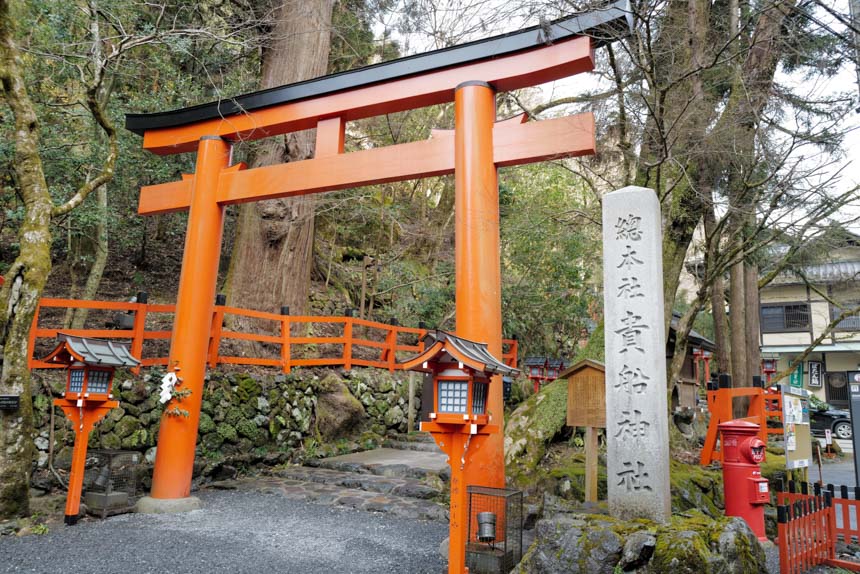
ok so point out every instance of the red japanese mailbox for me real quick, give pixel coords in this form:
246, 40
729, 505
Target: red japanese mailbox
460, 420
91, 364
746, 492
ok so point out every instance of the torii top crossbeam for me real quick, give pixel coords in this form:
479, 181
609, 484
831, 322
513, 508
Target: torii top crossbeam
525, 58
406, 83
469, 75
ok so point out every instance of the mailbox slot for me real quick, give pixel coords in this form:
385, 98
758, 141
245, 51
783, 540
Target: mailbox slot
759, 490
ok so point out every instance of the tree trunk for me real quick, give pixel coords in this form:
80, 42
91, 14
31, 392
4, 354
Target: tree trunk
28, 274
25, 281
272, 258
100, 255
718, 296
738, 333
752, 320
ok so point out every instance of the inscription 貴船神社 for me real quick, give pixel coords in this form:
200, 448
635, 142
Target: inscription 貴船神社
636, 416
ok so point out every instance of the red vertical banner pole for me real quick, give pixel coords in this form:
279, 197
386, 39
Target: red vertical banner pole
189, 347
478, 290
215, 332
392, 349
31, 340
285, 340
139, 330
347, 343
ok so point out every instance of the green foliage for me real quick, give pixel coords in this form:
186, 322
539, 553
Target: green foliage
595, 348
817, 403
548, 256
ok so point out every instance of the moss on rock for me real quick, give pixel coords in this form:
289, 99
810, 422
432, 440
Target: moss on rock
206, 424
126, 426
227, 432
596, 544
246, 388
337, 411
531, 428
136, 439
247, 428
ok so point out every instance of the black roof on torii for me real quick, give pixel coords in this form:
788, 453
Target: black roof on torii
603, 25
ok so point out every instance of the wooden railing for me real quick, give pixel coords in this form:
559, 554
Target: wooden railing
809, 521
349, 342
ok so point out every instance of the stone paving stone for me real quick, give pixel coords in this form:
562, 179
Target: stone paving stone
408, 487
415, 490
337, 495
387, 480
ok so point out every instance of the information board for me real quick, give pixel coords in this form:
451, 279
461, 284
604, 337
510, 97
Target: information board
796, 430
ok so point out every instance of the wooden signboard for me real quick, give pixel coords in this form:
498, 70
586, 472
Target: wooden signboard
10, 402
586, 394
586, 407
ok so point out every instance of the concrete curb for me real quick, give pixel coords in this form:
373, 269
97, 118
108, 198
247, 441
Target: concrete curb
149, 505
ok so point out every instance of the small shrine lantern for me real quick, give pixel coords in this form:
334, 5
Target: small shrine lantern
461, 371
460, 419
91, 364
553, 366
768, 366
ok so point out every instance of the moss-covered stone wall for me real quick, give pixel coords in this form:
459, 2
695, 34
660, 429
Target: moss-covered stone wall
301, 414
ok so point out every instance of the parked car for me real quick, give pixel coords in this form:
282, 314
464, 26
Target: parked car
837, 420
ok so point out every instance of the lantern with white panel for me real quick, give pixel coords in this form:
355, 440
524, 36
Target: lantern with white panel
91, 364
463, 372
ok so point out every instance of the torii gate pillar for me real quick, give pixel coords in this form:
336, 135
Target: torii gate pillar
477, 266
177, 436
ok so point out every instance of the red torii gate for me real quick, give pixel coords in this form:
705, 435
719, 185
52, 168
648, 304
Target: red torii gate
469, 75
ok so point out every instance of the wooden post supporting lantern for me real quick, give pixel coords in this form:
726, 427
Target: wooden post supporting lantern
469, 75
91, 364
465, 374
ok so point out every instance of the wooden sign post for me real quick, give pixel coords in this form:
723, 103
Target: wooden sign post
586, 407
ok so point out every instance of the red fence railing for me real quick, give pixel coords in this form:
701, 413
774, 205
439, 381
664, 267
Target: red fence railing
764, 406
287, 340
810, 519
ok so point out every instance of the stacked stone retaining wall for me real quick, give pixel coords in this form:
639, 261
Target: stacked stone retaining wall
308, 410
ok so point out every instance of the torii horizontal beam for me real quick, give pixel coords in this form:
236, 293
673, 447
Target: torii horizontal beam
514, 144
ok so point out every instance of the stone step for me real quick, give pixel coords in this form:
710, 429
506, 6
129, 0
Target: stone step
405, 487
389, 462
413, 437
333, 495
411, 445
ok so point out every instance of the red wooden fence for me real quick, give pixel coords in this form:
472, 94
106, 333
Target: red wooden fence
360, 342
810, 520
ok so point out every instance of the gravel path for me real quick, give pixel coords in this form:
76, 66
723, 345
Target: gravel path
236, 532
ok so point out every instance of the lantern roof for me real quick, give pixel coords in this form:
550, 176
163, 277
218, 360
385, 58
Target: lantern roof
555, 363
444, 347
90, 352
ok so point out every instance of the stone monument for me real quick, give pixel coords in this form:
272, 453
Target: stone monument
637, 425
